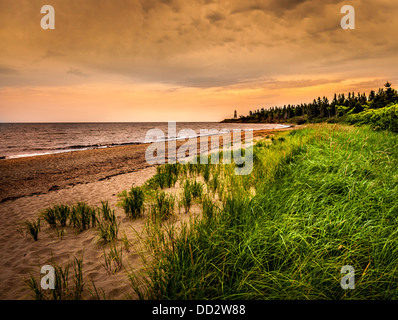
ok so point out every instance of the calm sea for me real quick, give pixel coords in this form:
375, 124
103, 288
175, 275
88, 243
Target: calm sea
35, 139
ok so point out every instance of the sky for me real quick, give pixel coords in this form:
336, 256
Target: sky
187, 60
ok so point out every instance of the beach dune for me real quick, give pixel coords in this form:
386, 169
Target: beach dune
29, 185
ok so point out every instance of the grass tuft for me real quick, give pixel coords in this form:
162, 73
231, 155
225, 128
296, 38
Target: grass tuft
113, 259
82, 216
163, 206
132, 202
33, 228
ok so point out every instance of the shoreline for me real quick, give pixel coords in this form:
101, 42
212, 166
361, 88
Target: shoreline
27, 176
114, 145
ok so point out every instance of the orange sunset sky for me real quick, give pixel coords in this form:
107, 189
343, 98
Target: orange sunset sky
185, 60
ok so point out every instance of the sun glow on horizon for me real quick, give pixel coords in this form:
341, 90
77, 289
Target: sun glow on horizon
174, 60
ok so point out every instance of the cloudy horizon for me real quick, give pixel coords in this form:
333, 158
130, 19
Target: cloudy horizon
166, 60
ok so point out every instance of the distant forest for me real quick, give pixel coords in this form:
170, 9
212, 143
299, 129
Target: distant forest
322, 109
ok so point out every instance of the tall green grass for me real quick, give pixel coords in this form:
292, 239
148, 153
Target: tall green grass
191, 190
132, 202
209, 208
325, 197
56, 215
166, 176
83, 216
108, 231
108, 226
187, 196
163, 206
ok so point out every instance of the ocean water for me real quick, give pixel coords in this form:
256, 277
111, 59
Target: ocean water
35, 139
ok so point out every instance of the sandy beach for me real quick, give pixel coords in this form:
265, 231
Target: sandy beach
29, 185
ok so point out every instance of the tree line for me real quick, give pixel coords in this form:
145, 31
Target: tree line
322, 109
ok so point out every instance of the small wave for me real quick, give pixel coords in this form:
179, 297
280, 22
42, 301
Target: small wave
80, 146
123, 144
97, 146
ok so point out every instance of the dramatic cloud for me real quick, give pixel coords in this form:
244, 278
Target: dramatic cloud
219, 52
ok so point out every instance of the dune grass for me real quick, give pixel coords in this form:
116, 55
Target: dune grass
108, 226
324, 197
108, 231
132, 202
163, 206
57, 215
113, 261
83, 216
64, 288
186, 196
79, 216
33, 228
166, 176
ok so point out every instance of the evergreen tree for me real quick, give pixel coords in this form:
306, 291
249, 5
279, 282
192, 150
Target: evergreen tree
391, 94
322, 108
